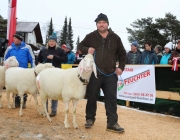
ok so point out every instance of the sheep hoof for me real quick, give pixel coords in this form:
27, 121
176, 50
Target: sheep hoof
50, 120
20, 114
75, 126
66, 126
9, 106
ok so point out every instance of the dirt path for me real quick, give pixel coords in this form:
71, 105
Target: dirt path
138, 125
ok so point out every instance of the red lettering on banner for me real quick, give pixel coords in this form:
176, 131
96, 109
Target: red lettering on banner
137, 77
147, 94
148, 73
151, 95
128, 69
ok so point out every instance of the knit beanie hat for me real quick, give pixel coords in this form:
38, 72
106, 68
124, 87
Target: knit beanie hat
134, 43
18, 35
102, 16
169, 45
68, 46
53, 37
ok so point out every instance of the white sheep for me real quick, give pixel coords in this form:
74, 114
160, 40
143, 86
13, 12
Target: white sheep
10, 62
20, 81
66, 85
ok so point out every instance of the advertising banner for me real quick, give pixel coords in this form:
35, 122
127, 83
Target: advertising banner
137, 83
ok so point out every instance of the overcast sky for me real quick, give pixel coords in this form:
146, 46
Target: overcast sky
121, 13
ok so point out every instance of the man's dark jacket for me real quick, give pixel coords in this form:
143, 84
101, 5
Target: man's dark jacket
107, 51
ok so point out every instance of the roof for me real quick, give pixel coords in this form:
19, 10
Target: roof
34, 47
29, 27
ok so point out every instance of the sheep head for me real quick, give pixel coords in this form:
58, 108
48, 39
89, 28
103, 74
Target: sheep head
87, 65
41, 67
11, 62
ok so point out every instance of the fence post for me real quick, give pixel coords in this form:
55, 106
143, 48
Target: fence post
127, 103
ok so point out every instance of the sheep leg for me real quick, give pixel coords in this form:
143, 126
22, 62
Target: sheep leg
13, 105
47, 115
42, 104
36, 101
43, 100
8, 98
75, 101
0, 97
66, 115
21, 104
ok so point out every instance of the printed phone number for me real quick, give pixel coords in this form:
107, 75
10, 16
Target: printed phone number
139, 94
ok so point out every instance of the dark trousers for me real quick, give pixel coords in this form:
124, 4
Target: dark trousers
109, 87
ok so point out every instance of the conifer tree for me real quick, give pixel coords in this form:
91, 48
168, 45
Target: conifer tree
70, 35
77, 43
3, 27
64, 33
50, 30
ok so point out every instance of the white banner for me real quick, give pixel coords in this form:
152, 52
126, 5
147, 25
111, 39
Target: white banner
137, 83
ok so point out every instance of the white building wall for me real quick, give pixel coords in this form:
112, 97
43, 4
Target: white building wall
30, 38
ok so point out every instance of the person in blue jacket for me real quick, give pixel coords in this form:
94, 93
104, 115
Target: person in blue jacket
21, 51
148, 56
70, 54
167, 54
23, 54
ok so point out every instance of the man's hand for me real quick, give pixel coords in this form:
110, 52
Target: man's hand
91, 50
50, 56
118, 71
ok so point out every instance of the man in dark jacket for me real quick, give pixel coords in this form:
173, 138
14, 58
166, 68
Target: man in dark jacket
107, 48
134, 55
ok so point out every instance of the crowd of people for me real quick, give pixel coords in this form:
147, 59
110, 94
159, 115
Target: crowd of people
107, 48
153, 56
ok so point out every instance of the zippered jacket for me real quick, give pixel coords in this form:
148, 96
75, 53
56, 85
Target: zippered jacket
130, 57
107, 51
148, 57
23, 54
60, 56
